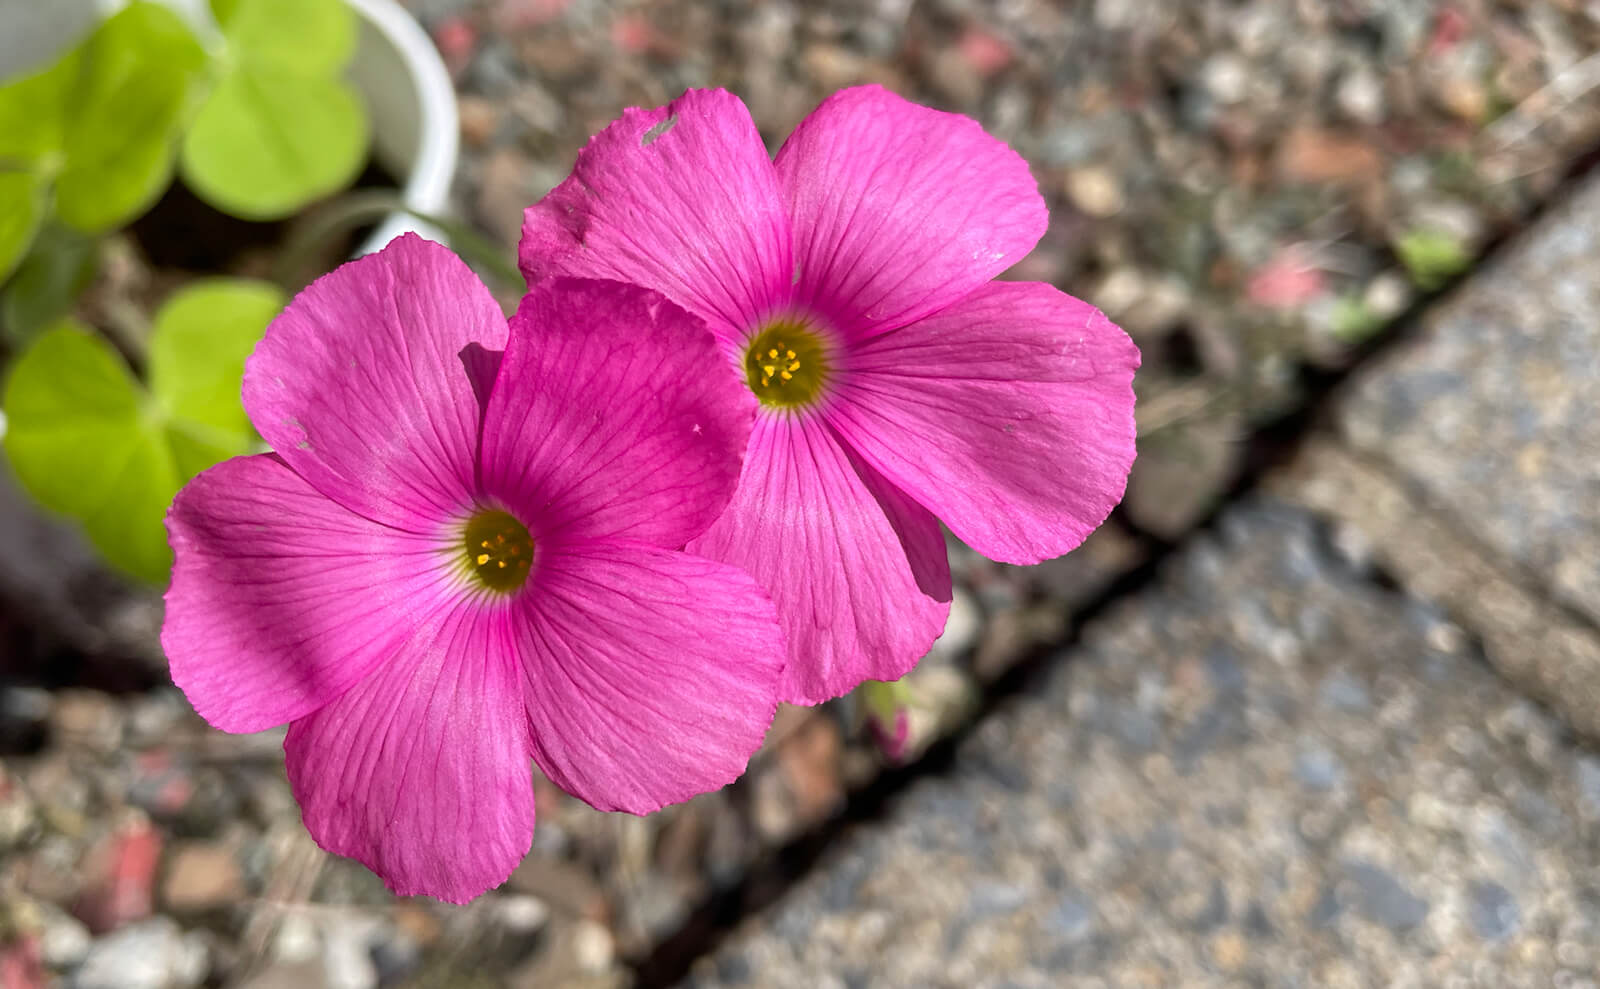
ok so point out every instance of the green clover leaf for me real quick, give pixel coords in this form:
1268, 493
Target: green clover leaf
99, 125
281, 128
88, 440
59, 266
22, 207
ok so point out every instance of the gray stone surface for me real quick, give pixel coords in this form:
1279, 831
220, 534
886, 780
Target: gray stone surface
1545, 649
1491, 411
1266, 771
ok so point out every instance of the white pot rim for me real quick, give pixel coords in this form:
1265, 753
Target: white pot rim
427, 188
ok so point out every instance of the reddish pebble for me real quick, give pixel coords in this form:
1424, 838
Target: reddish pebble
986, 53
122, 878
1288, 281
456, 40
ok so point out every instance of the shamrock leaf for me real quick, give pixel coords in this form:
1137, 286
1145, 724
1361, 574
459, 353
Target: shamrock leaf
21, 210
88, 440
100, 124
60, 265
306, 37
198, 349
281, 128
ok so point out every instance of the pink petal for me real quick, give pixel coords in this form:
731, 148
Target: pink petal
857, 569
281, 600
614, 416
681, 199
421, 772
900, 210
359, 385
650, 675
1008, 415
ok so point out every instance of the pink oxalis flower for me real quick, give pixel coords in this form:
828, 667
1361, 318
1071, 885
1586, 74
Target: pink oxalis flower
458, 561
850, 282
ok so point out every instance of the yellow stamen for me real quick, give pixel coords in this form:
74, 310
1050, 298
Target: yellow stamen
787, 364
499, 551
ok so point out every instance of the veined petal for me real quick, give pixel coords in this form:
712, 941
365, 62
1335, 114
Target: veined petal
857, 569
900, 210
650, 675
1009, 415
281, 600
614, 416
682, 199
360, 384
420, 772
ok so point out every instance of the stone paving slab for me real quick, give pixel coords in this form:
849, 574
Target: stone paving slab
1268, 770
1491, 411
1545, 649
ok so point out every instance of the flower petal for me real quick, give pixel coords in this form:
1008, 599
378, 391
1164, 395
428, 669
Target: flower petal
857, 569
360, 385
614, 416
1008, 415
900, 210
421, 771
650, 675
281, 600
682, 199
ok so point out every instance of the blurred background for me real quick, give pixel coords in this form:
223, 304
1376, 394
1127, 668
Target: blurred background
1313, 708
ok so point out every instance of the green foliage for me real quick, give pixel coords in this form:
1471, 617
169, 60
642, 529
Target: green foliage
280, 128
21, 210
34, 111
86, 439
59, 267
93, 138
265, 145
105, 118
198, 349
122, 122
304, 37
1431, 257
1353, 320
99, 127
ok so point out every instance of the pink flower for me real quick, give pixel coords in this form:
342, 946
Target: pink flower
851, 283
433, 580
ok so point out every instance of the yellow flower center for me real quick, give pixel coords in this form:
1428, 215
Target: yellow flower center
786, 364
499, 550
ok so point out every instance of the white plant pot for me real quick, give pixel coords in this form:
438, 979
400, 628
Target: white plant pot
411, 102
415, 129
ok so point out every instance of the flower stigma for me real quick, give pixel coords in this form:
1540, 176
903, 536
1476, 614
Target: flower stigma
786, 364
499, 550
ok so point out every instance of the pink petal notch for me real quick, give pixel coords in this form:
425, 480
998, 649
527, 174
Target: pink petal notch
359, 384
682, 199
614, 417
282, 600
650, 676
1008, 415
900, 210
857, 569
421, 771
